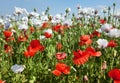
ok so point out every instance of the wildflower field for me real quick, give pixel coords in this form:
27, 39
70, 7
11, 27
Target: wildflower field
64, 48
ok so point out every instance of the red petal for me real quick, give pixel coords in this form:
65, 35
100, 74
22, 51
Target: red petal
116, 81
56, 72
66, 70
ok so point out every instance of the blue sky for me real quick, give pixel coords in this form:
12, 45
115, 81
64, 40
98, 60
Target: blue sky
56, 6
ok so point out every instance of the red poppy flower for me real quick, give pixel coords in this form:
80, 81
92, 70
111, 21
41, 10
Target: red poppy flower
115, 75
96, 33
22, 38
59, 28
35, 44
1, 81
112, 43
91, 35
42, 48
7, 48
33, 48
44, 25
116, 81
7, 39
102, 21
85, 40
30, 52
7, 34
80, 57
60, 55
92, 52
66, 70
32, 29
48, 35
59, 46
56, 72
84, 37
61, 67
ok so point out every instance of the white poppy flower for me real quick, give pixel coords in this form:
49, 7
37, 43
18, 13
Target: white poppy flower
36, 22
44, 18
42, 37
34, 14
114, 33
43, 13
106, 27
24, 18
18, 10
57, 16
99, 30
104, 9
25, 12
8, 25
67, 22
17, 68
57, 19
23, 26
89, 11
1, 22
48, 31
102, 43
80, 11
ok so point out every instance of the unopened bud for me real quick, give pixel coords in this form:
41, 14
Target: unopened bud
85, 78
104, 65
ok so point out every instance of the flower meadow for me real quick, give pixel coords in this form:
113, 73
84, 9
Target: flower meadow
64, 48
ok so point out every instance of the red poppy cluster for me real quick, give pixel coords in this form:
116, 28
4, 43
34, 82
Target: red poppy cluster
33, 48
61, 68
115, 75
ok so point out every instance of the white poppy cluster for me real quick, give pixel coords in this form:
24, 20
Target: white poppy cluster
109, 30
86, 11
